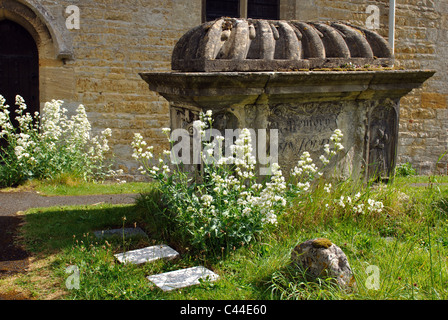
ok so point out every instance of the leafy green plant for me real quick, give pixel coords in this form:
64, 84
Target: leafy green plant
49, 145
404, 170
227, 207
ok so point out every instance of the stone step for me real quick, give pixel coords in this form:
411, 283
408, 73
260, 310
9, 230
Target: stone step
128, 232
147, 254
182, 278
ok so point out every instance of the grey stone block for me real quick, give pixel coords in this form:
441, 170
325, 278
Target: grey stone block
128, 232
147, 254
182, 278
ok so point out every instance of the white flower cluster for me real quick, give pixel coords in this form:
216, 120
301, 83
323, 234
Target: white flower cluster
335, 139
141, 149
52, 141
5, 123
145, 155
304, 172
374, 206
242, 155
99, 146
232, 178
272, 195
242, 190
24, 149
227, 200
73, 135
200, 126
358, 205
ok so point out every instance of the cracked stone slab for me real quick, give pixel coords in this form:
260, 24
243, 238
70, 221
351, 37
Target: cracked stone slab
147, 254
182, 278
128, 232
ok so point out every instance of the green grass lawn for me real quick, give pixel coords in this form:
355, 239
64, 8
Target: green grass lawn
407, 244
89, 188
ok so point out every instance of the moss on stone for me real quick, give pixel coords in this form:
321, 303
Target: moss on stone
322, 243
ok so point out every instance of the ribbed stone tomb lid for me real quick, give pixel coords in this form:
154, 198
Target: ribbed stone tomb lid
233, 44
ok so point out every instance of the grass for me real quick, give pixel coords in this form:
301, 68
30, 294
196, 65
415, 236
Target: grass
407, 244
68, 186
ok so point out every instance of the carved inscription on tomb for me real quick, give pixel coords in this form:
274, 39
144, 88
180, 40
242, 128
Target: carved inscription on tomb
307, 127
382, 140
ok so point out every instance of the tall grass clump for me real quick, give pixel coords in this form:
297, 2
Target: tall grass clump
405, 170
50, 144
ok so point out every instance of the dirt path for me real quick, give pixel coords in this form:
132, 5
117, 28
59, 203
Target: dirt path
12, 202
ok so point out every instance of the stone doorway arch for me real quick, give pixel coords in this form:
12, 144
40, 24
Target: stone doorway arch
51, 36
53, 42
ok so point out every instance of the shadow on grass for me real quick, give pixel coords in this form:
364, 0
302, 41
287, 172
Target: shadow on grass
53, 229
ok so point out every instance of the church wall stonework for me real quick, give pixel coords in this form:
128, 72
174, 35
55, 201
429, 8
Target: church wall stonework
117, 40
421, 42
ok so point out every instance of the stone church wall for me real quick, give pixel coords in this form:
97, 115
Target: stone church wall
118, 39
421, 42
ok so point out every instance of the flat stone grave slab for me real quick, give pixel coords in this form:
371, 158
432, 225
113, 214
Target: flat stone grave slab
147, 254
128, 232
182, 278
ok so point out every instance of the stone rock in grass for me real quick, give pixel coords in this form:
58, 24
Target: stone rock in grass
322, 258
182, 278
147, 254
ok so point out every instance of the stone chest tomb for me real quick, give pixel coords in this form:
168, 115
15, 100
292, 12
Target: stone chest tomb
303, 79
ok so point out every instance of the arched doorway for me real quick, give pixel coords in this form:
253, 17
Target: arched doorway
19, 67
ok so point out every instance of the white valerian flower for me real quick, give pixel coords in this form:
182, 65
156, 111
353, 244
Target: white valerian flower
338, 146
327, 148
375, 206
206, 117
219, 138
359, 208
324, 159
166, 169
207, 200
138, 146
50, 137
200, 127
247, 211
303, 186
166, 130
336, 136
210, 152
270, 217
341, 202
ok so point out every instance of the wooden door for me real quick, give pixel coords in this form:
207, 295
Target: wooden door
19, 67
